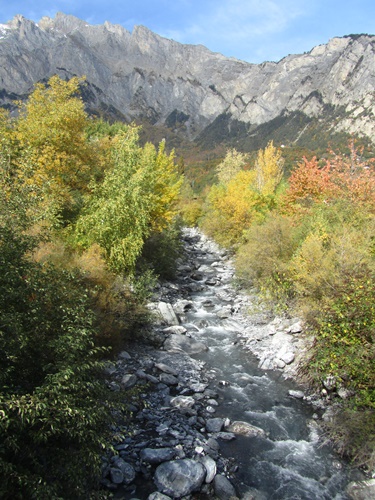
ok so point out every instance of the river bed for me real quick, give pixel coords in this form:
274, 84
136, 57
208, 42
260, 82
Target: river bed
286, 460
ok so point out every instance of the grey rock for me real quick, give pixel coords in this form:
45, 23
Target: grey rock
214, 424
124, 355
182, 402
226, 436
179, 477
152, 379
166, 369
191, 82
223, 488
158, 496
210, 466
362, 490
288, 357
296, 394
296, 328
168, 379
175, 329
213, 444
128, 381
198, 386
157, 455
122, 470
245, 429
167, 313
116, 476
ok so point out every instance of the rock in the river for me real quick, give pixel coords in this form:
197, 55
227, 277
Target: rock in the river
166, 369
167, 313
175, 329
183, 402
245, 429
181, 343
179, 477
210, 466
296, 394
128, 381
167, 379
214, 424
157, 455
224, 489
158, 496
122, 472
362, 490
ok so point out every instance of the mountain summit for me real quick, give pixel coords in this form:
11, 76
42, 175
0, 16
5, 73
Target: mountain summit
143, 76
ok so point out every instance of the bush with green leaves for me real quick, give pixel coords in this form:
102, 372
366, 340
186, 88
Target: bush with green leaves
53, 411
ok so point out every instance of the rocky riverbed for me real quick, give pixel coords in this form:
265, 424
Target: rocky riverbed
211, 417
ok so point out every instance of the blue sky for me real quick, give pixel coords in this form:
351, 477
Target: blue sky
252, 30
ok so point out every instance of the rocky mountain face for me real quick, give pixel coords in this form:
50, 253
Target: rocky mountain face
143, 76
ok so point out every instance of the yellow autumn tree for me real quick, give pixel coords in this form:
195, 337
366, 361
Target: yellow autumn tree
51, 133
233, 163
269, 167
232, 207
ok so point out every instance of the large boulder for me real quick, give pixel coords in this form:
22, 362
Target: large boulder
223, 488
157, 455
181, 343
167, 313
245, 429
179, 477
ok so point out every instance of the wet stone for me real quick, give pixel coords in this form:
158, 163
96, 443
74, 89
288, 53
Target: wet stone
245, 429
157, 456
182, 402
214, 424
167, 379
128, 381
179, 477
158, 496
224, 490
166, 369
296, 394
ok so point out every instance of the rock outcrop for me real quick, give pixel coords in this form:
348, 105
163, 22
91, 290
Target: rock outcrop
141, 75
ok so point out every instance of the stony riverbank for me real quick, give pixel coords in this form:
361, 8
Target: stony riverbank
171, 447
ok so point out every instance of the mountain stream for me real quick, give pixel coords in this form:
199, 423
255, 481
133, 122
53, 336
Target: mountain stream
286, 460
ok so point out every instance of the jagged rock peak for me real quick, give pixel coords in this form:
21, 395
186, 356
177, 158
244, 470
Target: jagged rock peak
144, 76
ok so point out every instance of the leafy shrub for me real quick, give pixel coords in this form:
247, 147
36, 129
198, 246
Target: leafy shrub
161, 251
345, 338
51, 426
263, 260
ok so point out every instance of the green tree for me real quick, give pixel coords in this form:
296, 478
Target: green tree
136, 197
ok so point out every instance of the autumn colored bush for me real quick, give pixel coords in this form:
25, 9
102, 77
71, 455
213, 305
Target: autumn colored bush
242, 197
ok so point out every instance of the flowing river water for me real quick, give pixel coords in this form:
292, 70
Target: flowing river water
288, 462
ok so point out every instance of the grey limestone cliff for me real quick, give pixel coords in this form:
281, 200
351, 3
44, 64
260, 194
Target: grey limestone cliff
142, 75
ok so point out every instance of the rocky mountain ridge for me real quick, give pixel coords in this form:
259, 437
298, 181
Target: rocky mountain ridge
141, 75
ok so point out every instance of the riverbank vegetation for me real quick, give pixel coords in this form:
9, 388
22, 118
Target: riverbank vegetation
306, 241
87, 223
